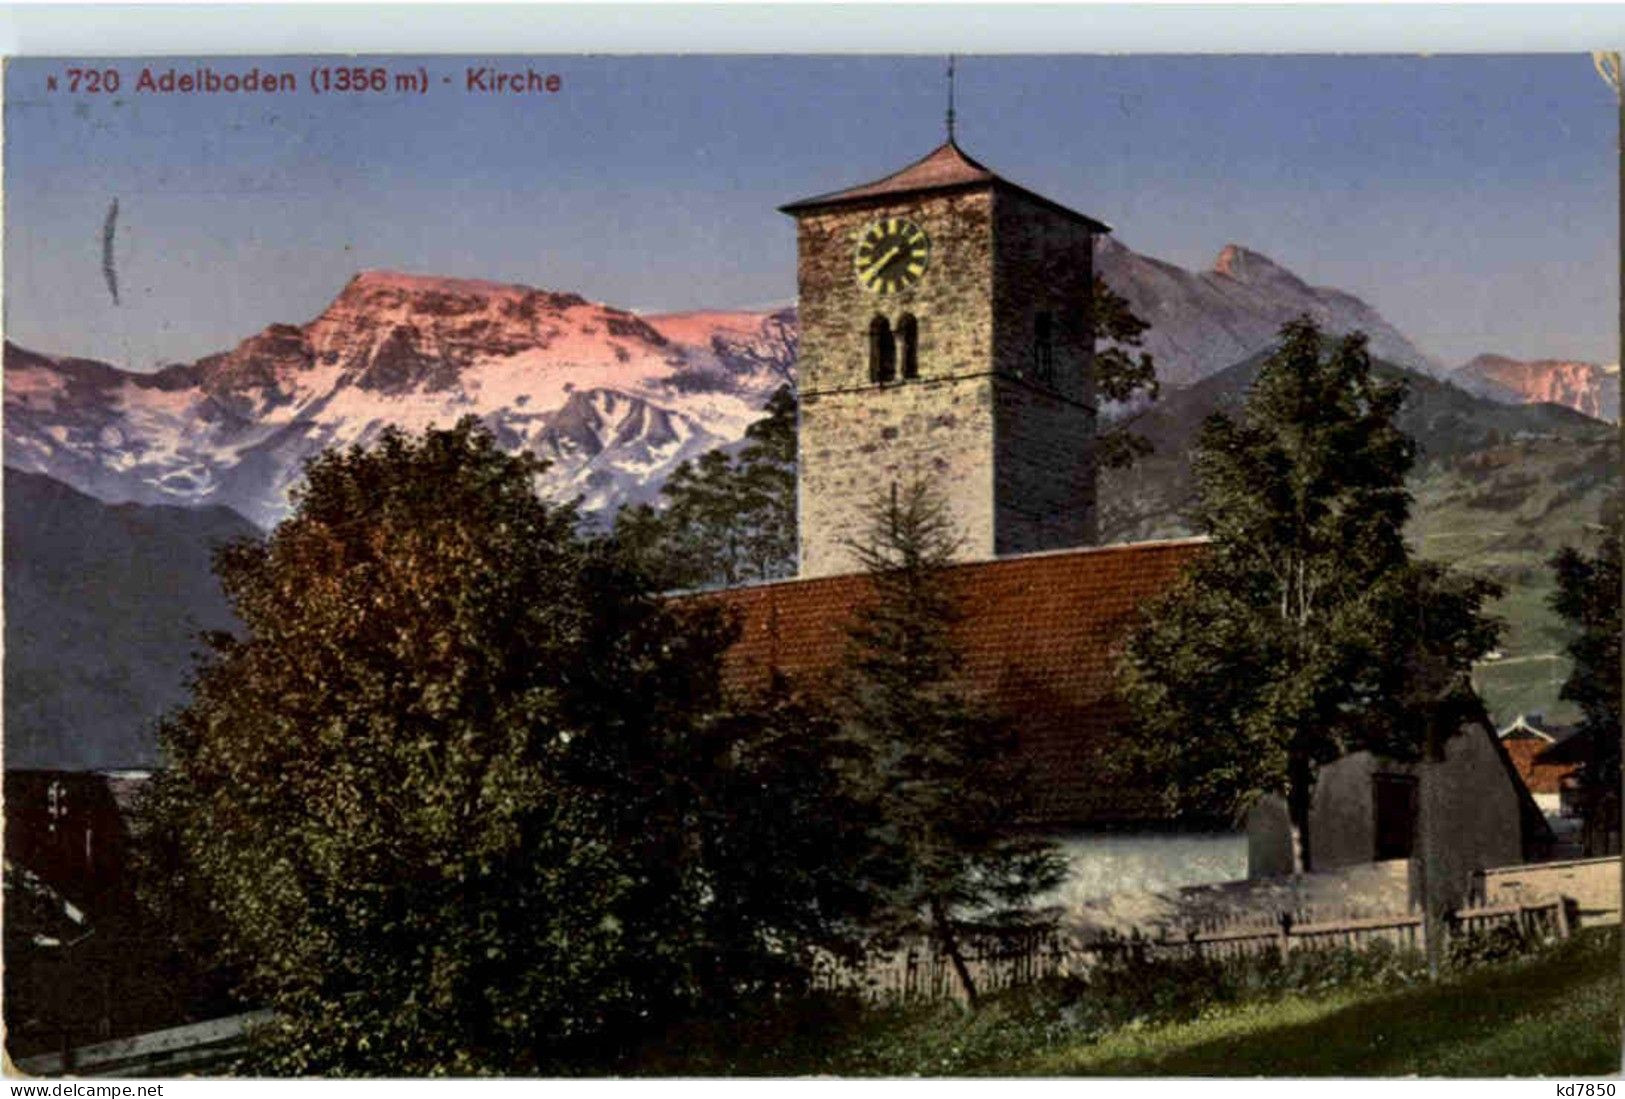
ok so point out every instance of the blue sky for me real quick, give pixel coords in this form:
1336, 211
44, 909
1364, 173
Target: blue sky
1472, 200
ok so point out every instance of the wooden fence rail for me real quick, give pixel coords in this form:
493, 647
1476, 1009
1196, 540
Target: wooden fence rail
998, 961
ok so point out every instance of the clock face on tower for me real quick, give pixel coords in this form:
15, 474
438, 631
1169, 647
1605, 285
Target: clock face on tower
892, 255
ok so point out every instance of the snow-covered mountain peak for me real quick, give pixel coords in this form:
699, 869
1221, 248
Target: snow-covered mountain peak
611, 400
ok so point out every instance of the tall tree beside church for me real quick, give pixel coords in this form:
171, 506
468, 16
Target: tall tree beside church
934, 766
728, 519
1588, 595
1305, 631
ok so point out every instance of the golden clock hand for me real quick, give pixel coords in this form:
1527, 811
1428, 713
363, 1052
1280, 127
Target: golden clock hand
880, 264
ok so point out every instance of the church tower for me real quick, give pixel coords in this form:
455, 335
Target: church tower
946, 335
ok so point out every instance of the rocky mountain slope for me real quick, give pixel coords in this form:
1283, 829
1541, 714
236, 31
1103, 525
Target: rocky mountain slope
104, 605
1203, 322
1448, 423
615, 401
1582, 386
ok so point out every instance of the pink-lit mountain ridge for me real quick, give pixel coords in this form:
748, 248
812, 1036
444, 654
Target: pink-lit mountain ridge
613, 400
1585, 387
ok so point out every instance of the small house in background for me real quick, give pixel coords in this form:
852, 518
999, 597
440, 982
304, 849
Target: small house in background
71, 829
79, 964
1525, 740
1367, 809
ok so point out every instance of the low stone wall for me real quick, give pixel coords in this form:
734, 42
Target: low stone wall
1353, 892
1103, 863
1593, 883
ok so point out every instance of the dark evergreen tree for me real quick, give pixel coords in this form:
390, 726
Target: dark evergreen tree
1588, 595
1305, 631
936, 767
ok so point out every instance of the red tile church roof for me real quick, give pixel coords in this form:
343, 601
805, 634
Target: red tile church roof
945, 168
1037, 641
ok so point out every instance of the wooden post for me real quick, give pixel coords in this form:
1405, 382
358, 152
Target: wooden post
1283, 941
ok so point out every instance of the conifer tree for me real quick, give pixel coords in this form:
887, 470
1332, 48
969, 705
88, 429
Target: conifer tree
935, 764
1588, 595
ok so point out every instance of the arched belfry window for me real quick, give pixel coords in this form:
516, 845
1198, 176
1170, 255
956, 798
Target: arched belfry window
1043, 349
882, 351
908, 340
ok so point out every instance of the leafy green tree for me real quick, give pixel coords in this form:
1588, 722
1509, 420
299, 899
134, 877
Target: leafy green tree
728, 519
1304, 631
1124, 372
1588, 595
788, 847
935, 766
464, 797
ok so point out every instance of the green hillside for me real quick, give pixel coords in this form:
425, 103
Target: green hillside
1498, 489
104, 605
1504, 511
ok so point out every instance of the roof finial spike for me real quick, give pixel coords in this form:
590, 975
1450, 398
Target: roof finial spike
950, 97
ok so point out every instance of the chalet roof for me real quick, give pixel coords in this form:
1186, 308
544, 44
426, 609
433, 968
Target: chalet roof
1527, 752
945, 168
1037, 641
1536, 727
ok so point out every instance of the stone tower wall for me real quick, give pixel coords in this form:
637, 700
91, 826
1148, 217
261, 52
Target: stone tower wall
1043, 263
856, 443
1044, 454
1012, 452
953, 302
856, 438
1044, 471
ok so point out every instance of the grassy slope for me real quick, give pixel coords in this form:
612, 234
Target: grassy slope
1556, 1014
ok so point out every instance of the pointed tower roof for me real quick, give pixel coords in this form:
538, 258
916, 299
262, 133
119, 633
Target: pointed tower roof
945, 168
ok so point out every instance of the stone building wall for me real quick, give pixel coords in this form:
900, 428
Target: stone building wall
1044, 471
1469, 797
953, 301
1043, 265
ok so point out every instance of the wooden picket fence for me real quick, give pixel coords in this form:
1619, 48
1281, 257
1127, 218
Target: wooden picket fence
920, 970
